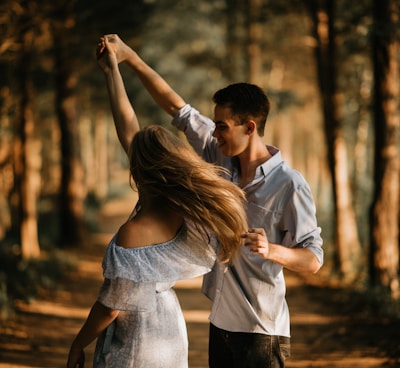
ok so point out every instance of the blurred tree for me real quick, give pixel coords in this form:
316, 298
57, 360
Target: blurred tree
236, 18
346, 234
243, 41
8, 12
72, 190
26, 157
254, 30
354, 85
384, 266
6, 164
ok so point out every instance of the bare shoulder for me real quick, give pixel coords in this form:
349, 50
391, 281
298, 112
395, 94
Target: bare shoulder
146, 232
128, 235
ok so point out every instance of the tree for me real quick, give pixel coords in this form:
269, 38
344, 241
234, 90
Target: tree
346, 234
384, 266
254, 29
72, 191
235, 65
243, 40
26, 157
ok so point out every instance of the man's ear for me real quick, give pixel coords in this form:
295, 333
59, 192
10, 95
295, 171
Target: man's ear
251, 127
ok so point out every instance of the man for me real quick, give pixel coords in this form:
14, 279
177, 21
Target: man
250, 324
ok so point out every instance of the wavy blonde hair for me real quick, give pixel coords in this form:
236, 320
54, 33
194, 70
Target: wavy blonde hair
166, 168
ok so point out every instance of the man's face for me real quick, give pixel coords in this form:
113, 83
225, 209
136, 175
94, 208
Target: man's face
232, 137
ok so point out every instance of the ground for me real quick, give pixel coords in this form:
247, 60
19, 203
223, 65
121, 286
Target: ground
330, 327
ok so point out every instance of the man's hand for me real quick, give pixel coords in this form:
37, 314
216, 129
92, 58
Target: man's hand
257, 242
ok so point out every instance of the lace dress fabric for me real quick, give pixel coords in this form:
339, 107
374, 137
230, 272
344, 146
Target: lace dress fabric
150, 331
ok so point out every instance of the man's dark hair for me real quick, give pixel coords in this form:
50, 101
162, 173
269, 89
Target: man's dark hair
246, 101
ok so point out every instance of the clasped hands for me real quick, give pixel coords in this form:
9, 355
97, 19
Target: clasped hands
112, 43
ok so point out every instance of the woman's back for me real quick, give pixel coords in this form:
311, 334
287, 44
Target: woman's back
149, 227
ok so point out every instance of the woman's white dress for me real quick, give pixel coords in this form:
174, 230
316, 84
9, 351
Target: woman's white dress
150, 331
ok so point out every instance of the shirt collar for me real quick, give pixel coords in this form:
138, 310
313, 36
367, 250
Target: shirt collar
262, 170
275, 160
265, 167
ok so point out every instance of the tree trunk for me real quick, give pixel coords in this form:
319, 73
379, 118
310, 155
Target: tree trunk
6, 161
27, 158
347, 241
254, 30
73, 190
385, 209
101, 153
236, 65
244, 32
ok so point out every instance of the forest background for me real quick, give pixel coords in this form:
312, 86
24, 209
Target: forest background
330, 69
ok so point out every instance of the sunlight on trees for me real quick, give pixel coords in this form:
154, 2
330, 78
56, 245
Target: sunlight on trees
313, 58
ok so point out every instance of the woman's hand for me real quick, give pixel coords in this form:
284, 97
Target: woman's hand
76, 358
106, 55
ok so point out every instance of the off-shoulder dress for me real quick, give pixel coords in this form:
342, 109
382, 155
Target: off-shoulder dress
150, 331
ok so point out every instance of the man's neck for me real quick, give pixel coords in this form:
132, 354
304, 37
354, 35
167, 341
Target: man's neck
249, 161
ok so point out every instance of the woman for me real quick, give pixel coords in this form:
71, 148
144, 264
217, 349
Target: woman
184, 206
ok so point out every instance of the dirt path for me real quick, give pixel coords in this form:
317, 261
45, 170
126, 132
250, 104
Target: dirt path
330, 328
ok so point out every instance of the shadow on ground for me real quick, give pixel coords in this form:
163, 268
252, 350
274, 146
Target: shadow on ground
329, 329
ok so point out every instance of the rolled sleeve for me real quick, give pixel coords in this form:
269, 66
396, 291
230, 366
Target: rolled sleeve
301, 228
198, 130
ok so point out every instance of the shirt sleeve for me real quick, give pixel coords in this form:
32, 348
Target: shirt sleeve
300, 223
198, 130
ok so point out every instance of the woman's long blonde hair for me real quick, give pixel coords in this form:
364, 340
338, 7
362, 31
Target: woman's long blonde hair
165, 168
